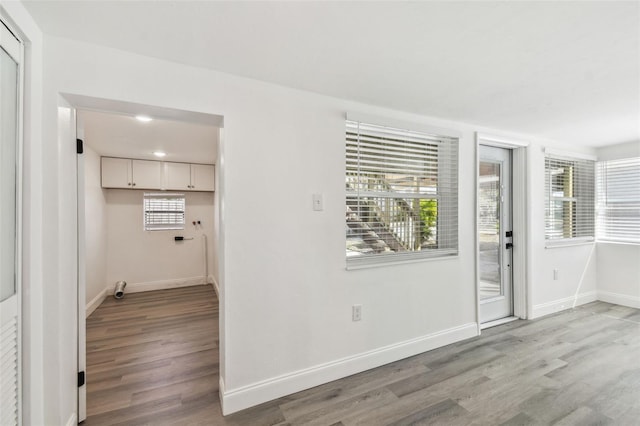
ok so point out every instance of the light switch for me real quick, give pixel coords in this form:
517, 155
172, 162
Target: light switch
318, 205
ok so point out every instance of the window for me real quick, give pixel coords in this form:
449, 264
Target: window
163, 211
618, 212
569, 198
402, 194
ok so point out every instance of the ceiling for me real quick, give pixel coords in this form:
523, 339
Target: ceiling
568, 71
120, 135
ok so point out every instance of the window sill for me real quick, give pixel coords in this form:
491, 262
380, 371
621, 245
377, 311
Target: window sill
569, 243
372, 263
618, 243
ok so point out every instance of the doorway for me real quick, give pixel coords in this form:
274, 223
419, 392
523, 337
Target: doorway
495, 233
146, 258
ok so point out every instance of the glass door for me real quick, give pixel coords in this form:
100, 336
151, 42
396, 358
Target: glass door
9, 243
494, 233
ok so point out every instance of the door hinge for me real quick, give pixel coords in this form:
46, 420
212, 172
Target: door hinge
79, 146
80, 378
509, 234
509, 245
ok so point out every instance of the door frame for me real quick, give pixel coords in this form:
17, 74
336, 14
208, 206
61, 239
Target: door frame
86, 102
17, 53
520, 222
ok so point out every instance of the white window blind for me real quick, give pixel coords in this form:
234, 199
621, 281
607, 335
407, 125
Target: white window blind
569, 199
402, 194
163, 211
618, 205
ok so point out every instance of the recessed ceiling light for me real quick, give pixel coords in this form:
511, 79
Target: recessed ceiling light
159, 153
143, 118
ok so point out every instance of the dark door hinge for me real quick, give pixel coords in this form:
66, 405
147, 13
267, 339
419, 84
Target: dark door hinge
509, 234
509, 245
80, 378
79, 146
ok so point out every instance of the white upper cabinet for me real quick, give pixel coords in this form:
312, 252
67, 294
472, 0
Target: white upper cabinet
146, 174
116, 173
189, 177
202, 177
177, 176
126, 173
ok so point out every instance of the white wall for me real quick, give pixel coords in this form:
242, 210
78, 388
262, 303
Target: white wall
619, 264
96, 227
142, 257
286, 296
576, 265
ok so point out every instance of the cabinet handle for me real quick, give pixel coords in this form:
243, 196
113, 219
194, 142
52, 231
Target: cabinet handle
129, 184
134, 184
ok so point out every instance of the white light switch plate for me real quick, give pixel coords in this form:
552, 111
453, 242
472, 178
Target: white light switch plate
318, 204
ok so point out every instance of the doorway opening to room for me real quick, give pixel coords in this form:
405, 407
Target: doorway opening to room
148, 216
501, 231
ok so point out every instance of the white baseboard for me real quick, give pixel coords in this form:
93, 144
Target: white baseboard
73, 420
247, 396
562, 304
221, 391
619, 299
160, 285
215, 285
95, 302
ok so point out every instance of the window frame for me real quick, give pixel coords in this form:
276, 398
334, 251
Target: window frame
613, 177
166, 225
581, 196
447, 203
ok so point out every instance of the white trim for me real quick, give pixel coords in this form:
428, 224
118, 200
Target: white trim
159, 285
554, 306
247, 396
569, 242
619, 299
499, 141
614, 242
377, 261
476, 214
569, 155
404, 125
11, 44
73, 421
95, 302
497, 322
216, 287
520, 223
221, 392
520, 201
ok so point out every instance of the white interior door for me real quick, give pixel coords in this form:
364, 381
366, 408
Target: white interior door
494, 234
10, 187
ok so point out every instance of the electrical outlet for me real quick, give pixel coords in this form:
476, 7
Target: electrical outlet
356, 312
555, 274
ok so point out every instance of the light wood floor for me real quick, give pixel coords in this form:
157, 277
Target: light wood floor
152, 360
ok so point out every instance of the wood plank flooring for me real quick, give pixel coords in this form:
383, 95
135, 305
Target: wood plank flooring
153, 360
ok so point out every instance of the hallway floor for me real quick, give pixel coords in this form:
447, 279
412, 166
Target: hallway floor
152, 360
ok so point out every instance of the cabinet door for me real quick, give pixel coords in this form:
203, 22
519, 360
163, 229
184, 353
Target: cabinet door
147, 174
177, 176
202, 177
116, 173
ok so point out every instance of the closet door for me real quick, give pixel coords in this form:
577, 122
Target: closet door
10, 54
